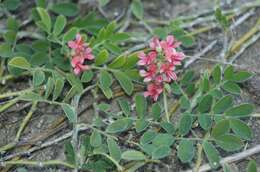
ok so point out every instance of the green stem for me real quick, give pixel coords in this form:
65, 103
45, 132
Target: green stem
165, 102
37, 163
26, 120
75, 103
9, 104
16, 93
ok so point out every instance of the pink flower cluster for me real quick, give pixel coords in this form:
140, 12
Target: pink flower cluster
159, 64
81, 52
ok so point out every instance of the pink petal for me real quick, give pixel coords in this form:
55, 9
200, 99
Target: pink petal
170, 39
77, 70
72, 44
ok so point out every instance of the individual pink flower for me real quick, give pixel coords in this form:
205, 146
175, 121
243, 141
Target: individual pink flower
174, 57
146, 59
167, 70
78, 44
150, 73
155, 44
77, 64
87, 54
154, 90
169, 43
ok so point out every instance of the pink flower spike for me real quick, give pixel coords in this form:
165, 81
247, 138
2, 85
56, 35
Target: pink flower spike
154, 90
167, 71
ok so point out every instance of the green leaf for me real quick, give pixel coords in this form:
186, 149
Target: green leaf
205, 121
147, 137
141, 105
70, 112
221, 128
45, 18
125, 107
59, 84
176, 88
221, 18
184, 102
119, 37
66, 9
186, 151
212, 154
148, 148
12, 24
229, 142
161, 32
205, 85
223, 104
251, 166
119, 125
70, 34
137, 9
133, 155
141, 125
161, 152
163, 139
185, 124
31, 96
38, 59
229, 73
41, 3
125, 82
49, 87
38, 78
95, 139
70, 153
231, 87
117, 62
107, 92
19, 62
103, 107
241, 129
216, 74
10, 37
59, 25
113, 48
156, 111
11, 4
241, 76
240, 110
105, 79
131, 61
87, 76
102, 57
205, 104
114, 149
168, 127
